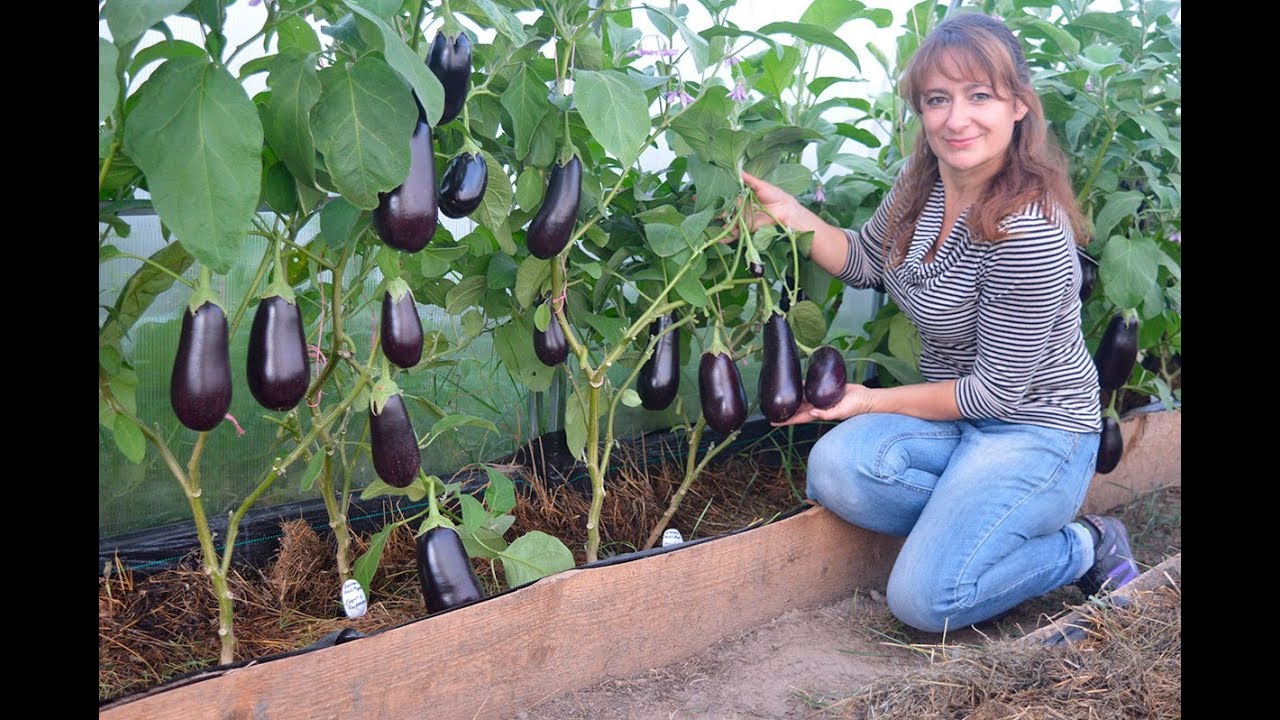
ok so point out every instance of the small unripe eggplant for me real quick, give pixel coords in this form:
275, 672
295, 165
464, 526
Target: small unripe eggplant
278, 368
401, 330
406, 217
444, 570
659, 378
781, 388
1110, 446
395, 448
724, 401
463, 185
549, 232
200, 386
756, 270
1088, 277
451, 63
825, 380
551, 346
1117, 352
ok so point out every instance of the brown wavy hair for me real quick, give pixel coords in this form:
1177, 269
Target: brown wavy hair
1035, 168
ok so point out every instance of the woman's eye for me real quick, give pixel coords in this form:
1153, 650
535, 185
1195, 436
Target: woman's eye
935, 100
981, 97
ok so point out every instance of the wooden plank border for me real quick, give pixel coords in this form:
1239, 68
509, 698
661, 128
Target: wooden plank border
579, 627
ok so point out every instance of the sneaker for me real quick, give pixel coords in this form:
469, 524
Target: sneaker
1113, 564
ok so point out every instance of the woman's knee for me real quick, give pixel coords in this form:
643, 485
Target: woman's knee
833, 462
922, 604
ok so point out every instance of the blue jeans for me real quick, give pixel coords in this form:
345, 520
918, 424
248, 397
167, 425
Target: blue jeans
984, 505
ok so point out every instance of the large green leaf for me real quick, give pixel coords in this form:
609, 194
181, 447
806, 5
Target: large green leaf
525, 99
198, 139
380, 8
362, 124
504, 21
807, 323
714, 183
514, 344
128, 19
108, 82
404, 61
615, 111
792, 177
531, 275
295, 89
468, 292
814, 34
132, 444
698, 45
1129, 271
1120, 206
831, 14
495, 206
141, 290
339, 222
777, 73
1113, 25
532, 556
500, 495
296, 34
575, 425
665, 240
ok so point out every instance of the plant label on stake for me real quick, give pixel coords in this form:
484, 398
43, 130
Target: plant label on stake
353, 599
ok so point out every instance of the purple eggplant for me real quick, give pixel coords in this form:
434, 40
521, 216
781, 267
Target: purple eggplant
406, 217
1088, 276
781, 389
463, 185
401, 330
395, 448
1117, 352
659, 377
551, 346
1110, 446
549, 232
825, 380
450, 61
724, 401
278, 368
756, 270
444, 570
200, 386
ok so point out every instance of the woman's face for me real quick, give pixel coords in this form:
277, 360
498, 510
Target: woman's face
967, 126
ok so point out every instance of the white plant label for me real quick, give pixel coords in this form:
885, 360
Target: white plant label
671, 536
353, 599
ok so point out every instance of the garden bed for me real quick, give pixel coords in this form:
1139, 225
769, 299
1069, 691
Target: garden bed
501, 656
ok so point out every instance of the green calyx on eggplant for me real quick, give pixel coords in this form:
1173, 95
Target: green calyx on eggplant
401, 326
724, 401
1110, 446
395, 448
444, 570
825, 379
1088, 275
659, 378
450, 60
200, 386
549, 232
463, 185
781, 388
406, 217
551, 347
1118, 351
278, 368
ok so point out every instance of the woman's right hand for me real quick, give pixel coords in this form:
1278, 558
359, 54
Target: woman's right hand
776, 206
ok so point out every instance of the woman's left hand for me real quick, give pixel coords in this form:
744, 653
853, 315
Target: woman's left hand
856, 401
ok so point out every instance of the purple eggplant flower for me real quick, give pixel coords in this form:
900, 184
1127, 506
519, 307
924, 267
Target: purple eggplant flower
679, 96
667, 52
1176, 237
739, 93
819, 195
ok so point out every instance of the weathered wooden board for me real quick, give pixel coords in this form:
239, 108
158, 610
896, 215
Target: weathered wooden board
576, 628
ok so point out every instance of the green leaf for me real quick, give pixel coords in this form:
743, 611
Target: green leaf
575, 425
714, 183
495, 206
338, 222
698, 45
457, 420
381, 8
621, 38
1113, 25
295, 89
313, 470
502, 272
814, 34
525, 99
529, 189
689, 286
141, 289
197, 138
1065, 41
631, 398
530, 277
777, 74
1129, 271
514, 344
472, 322
698, 124
128, 19
542, 317
166, 50
436, 261
108, 81
807, 323
363, 123
296, 34
818, 85
504, 21
904, 339
903, 370
279, 190
615, 111
467, 293
473, 513
426, 87
500, 496
831, 14
665, 240
728, 146
1120, 206
129, 438
792, 177
367, 564
534, 555
482, 541
693, 226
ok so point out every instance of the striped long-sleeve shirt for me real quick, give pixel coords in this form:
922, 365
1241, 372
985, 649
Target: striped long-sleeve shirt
1003, 319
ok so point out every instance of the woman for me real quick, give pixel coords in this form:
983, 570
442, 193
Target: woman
983, 466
